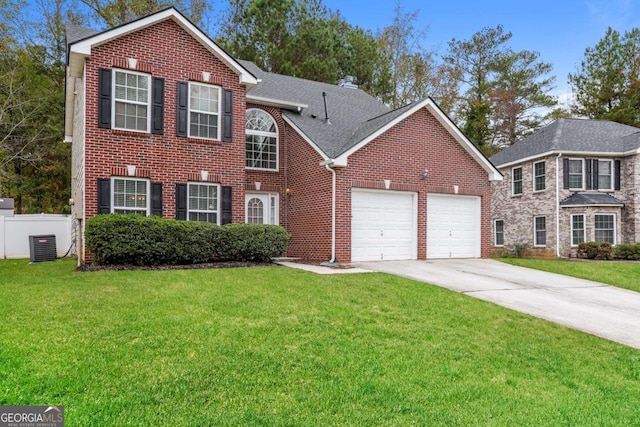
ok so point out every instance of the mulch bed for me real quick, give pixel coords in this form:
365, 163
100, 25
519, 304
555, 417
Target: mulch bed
209, 265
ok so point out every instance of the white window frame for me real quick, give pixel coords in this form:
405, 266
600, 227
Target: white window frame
115, 100
535, 231
275, 135
193, 110
543, 176
495, 232
584, 229
145, 210
271, 206
581, 174
513, 181
611, 169
216, 210
615, 225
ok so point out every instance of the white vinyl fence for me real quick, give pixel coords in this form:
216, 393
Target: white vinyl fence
15, 232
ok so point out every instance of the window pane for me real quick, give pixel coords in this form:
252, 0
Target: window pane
261, 140
577, 225
540, 231
130, 196
499, 233
604, 228
255, 211
203, 202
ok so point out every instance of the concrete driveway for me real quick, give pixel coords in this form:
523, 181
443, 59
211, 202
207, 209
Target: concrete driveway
592, 307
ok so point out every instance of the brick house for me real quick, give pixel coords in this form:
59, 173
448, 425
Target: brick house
576, 180
165, 122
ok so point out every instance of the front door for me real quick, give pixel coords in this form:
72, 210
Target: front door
261, 208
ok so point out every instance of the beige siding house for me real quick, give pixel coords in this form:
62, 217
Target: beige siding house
576, 180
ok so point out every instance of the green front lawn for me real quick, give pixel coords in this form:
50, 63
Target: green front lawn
620, 274
271, 346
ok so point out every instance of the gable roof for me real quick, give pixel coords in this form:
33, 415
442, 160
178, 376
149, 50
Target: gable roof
80, 42
355, 117
573, 136
591, 199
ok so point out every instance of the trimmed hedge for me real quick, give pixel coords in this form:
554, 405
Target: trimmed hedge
141, 240
595, 250
629, 251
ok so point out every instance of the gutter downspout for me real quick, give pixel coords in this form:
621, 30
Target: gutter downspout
558, 206
333, 214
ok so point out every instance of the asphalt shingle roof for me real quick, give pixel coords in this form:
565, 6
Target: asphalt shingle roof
591, 198
573, 135
353, 114
75, 33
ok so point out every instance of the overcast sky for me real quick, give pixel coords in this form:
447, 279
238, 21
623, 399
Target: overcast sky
559, 30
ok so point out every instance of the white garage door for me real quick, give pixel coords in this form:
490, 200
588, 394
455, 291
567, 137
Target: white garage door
453, 226
383, 226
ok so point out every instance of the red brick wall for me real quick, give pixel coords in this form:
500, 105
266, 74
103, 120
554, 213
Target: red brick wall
401, 155
167, 51
309, 201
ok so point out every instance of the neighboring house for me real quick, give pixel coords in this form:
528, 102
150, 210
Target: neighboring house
573, 181
165, 122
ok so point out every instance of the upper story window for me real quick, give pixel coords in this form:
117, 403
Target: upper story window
204, 111
605, 174
516, 180
261, 140
130, 195
576, 168
203, 202
539, 176
131, 99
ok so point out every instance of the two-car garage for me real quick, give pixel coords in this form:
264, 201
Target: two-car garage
384, 226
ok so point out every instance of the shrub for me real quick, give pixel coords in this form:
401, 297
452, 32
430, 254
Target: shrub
140, 240
629, 251
595, 250
254, 242
520, 249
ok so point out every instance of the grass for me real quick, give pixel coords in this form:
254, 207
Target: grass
621, 274
271, 346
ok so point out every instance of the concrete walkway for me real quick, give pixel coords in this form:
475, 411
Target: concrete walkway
595, 308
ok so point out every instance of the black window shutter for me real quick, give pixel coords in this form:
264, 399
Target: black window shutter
104, 99
227, 116
181, 201
565, 173
157, 112
183, 109
156, 199
594, 174
226, 205
588, 174
617, 174
104, 195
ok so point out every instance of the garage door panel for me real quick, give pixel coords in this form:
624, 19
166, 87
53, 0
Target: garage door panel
453, 226
382, 226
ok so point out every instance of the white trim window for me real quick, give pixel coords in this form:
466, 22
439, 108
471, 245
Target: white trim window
578, 230
261, 140
539, 176
540, 231
516, 180
204, 111
130, 195
131, 101
605, 175
203, 202
605, 228
576, 174
498, 232
261, 208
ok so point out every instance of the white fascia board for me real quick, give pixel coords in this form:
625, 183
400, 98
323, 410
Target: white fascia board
493, 172
69, 103
620, 205
276, 102
596, 154
83, 47
306, 138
